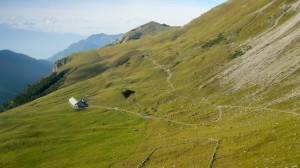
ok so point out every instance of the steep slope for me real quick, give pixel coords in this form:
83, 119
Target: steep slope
150, 28
92, 42
17, 71
199, 100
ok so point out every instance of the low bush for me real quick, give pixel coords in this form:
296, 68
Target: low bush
236, 54
214, 41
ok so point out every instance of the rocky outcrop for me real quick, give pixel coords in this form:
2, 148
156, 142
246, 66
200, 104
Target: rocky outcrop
150, 28
60, 63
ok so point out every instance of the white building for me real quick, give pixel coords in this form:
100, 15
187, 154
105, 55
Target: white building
78, 104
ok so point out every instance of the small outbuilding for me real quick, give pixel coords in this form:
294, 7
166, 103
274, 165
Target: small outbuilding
78, 104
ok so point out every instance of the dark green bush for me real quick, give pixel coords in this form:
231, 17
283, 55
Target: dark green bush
236, 54
214, 41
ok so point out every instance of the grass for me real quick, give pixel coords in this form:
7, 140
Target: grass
177, 154
67, 138
48, 133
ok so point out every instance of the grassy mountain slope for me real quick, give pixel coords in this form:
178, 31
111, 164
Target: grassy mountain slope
221, 91
17, 71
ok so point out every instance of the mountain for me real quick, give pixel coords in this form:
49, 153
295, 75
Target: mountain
35, 43
17, 71
92, 42
151, 28
221, 91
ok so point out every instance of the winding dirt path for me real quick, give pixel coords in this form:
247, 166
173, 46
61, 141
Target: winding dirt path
219, 107
170, 74
168, 71
262, 108
159, 118
213, 155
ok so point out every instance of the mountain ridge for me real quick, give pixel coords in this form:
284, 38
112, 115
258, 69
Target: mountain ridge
35, 43
150, 28
92, 42
18, 71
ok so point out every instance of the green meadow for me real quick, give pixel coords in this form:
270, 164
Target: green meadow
184, 112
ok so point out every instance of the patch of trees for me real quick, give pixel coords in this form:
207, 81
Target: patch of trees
236, 54
126, 93
37, 90
239, 52
214, 41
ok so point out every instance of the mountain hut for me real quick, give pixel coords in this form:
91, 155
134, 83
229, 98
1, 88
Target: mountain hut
78, 104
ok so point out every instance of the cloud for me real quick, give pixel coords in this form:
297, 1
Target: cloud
93, 16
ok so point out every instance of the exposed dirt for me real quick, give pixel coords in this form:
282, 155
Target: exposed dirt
263, 64
273, 56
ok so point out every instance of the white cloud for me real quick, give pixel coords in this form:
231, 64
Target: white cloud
88, 17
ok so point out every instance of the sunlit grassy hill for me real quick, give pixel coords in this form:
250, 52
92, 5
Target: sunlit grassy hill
222, 91
148, 29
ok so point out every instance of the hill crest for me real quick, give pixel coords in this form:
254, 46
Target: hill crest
150, 28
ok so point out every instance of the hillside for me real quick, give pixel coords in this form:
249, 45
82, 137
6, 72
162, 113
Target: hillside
92, 42
221, 91
17, 71
150, 28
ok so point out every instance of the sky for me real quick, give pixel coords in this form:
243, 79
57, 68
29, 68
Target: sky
86, 17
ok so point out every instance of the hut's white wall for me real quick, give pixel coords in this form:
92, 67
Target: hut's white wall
73, 101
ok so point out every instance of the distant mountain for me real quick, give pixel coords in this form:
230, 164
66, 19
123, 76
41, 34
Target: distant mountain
17, 71
35, 43
150, 28
92, 42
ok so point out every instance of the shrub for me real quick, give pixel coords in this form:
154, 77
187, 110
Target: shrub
126, 93
236, 54
214, 41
